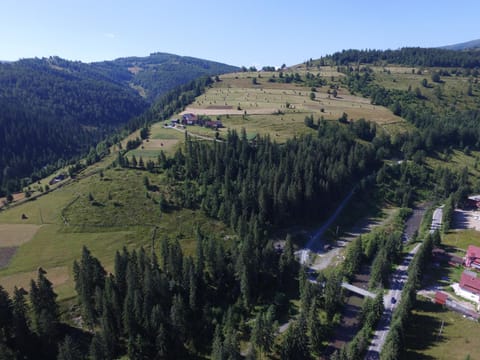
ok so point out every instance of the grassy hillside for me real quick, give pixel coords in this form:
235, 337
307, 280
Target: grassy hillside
123, 213
262, 105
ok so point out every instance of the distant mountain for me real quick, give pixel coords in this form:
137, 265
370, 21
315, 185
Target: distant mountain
154, 75
469, 45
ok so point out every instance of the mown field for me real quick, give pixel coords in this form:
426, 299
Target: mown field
460, 239
236, 94
269, 108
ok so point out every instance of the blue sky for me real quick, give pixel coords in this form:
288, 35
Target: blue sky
235, 32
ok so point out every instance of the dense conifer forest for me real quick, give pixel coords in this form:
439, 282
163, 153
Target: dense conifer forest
409, 56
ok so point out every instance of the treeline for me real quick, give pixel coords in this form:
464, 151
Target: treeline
410, 56
55, 111
243, 182
161, 72
171, 102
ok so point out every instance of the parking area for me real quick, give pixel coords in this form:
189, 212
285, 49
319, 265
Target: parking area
466, 219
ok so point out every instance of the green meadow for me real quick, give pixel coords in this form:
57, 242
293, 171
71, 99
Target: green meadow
103, 212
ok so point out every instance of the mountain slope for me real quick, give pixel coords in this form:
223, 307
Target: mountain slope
156, 74
469, 45
69, 90
54, 109
410, 56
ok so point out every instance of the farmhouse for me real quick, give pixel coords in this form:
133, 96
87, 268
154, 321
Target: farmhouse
189, 119
469, 286
472, 258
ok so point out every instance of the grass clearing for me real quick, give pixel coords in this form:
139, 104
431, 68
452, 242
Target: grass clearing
450, 92
16, 234
57, 275
458, 339
460, 239
457, 160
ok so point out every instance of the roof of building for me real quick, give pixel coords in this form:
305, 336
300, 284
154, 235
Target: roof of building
441, 297
470, 282
473, 251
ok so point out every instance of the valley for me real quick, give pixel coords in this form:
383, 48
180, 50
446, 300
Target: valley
210, 218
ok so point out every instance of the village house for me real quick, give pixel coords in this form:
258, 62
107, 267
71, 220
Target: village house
472, 258
468, 287
189, 119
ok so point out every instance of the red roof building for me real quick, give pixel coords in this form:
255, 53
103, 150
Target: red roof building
472, 258
189, 119
469, 282
441, 297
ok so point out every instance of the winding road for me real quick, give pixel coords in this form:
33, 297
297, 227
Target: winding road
392, 298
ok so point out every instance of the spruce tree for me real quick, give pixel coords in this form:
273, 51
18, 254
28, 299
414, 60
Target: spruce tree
44, 306
68, 350
20, 309
6, 315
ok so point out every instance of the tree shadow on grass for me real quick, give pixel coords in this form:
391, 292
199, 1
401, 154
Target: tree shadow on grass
423, 331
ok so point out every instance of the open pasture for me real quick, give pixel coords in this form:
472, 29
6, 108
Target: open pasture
16, 234
236, 97
452, 90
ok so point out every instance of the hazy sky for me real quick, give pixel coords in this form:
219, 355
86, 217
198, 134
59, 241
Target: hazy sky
235, 32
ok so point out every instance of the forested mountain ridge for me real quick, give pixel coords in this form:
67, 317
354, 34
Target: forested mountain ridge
54, 109
159, 72
69, 90
410, 56
473, 44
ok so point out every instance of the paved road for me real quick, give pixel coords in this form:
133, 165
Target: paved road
437, 219
397, 282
